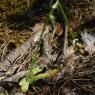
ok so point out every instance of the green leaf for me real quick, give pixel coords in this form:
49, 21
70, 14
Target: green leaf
63, 13
34, 71
34, 58
52, 18
55, 5
24, 85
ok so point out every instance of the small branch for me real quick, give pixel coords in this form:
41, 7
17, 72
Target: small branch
65, 41
16, 77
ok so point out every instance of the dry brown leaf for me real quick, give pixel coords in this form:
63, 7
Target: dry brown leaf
89, 42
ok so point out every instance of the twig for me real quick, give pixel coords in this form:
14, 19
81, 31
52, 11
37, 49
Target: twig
65, 41
17, 76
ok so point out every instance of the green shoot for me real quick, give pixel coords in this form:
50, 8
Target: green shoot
33, 71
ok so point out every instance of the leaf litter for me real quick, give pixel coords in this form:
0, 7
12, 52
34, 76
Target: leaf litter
56, 74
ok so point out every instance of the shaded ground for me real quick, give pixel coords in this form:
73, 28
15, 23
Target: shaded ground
75, 64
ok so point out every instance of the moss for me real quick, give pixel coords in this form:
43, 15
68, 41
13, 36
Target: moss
14, 7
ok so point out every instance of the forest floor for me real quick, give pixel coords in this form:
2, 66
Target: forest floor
40, 58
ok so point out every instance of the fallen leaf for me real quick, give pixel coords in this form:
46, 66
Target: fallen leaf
89, 42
